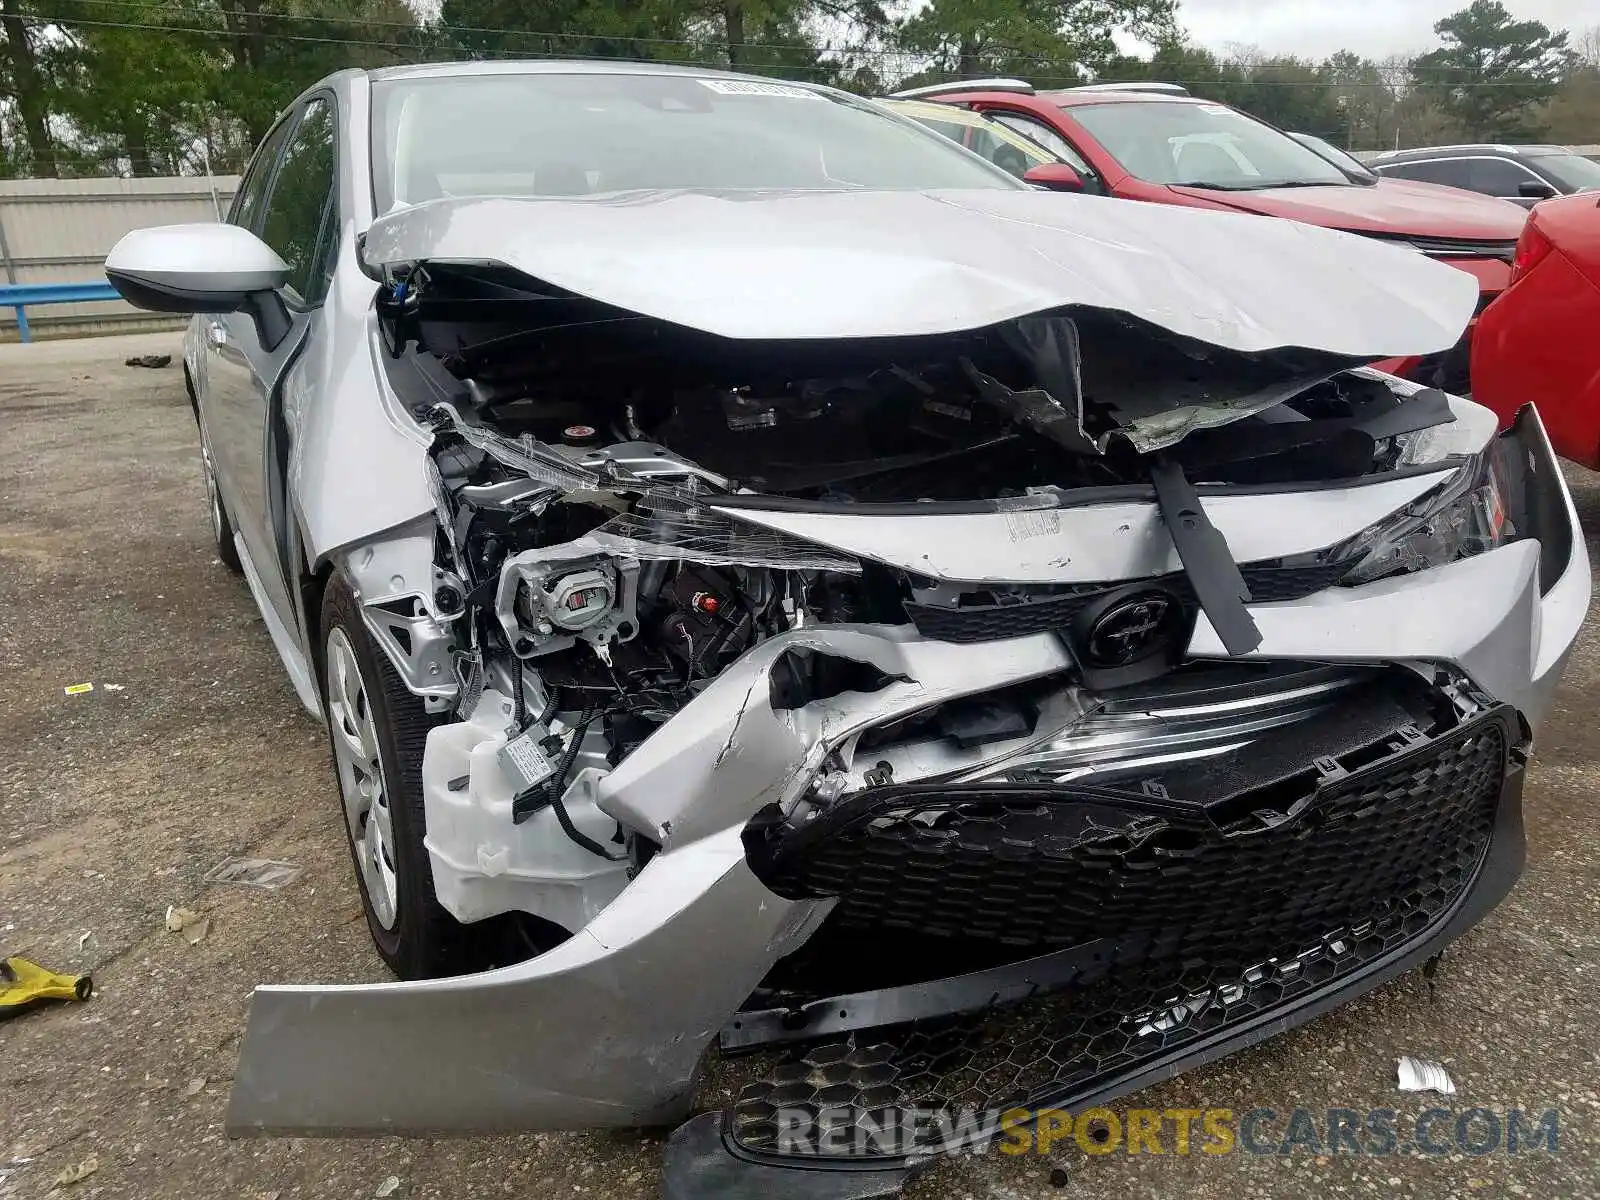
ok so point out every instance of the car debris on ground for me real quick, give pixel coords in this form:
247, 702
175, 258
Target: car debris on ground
77, 1172
193, 925
25, 985
1420, 1075
265, 873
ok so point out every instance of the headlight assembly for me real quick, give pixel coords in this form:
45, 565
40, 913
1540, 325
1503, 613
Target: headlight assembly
1467, 516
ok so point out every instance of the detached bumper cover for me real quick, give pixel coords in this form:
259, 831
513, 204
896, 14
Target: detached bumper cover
609, 1028
1182, 928
721, 1156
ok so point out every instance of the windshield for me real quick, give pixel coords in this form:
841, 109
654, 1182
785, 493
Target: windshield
1203, 145
1573, 170
1334, 155
538, 134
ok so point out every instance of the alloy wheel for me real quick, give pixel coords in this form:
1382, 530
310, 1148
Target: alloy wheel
366, 800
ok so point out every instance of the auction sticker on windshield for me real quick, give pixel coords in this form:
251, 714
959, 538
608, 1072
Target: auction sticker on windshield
745, 87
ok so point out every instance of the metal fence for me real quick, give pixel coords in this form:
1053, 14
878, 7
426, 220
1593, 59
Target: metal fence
60, 230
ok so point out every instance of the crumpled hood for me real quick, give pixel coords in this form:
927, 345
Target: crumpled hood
886, 264
1392, 206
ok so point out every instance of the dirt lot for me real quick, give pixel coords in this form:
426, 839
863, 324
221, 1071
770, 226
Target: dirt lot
115, 803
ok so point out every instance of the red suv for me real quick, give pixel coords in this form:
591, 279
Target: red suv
1156, 142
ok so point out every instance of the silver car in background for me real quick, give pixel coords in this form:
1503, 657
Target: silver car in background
773, 579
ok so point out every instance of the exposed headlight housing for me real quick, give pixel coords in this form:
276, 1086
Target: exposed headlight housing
1466, 516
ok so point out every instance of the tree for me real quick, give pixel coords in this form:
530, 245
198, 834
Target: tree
1573, 114
1175, 61
1492, 71
1050, 39
1287, 92
1362, 91
563, 28
29, 85
1291, 94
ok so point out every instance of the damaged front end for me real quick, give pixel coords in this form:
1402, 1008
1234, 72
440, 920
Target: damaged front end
995, 718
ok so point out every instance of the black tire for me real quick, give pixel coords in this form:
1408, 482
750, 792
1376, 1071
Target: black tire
217, 511
222, 532
425, 941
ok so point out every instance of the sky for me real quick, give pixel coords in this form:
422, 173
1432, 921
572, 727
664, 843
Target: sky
1373, 28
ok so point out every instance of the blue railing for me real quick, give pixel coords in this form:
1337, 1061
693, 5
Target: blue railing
19, 295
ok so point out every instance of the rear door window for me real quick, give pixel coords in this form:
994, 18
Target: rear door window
1454, 172
1499, 176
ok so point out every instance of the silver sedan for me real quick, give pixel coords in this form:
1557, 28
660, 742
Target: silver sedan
772, 578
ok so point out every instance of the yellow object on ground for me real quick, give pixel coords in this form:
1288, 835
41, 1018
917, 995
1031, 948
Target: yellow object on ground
24, 984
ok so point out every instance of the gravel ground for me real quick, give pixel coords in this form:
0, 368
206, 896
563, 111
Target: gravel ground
114, 804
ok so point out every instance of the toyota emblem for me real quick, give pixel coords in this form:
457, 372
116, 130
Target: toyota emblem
1132, 629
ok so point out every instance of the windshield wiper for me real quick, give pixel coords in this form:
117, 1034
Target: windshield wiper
1262, 186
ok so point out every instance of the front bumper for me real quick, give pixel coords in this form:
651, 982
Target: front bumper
714, 1156
609, 1028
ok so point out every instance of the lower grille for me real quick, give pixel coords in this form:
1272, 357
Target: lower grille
1207, 929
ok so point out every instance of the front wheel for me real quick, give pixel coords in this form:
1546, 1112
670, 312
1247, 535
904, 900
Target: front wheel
221, 526
377, 730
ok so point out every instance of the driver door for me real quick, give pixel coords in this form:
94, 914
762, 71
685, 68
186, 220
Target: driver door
292, 207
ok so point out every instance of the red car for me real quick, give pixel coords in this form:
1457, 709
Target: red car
1540, 340
1158, 143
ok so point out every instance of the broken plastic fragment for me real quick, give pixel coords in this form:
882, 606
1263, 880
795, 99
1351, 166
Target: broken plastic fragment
78, 689
1420, 1075
1033, 408
12, 1166
388, 1187
194, 926
78, 1172
266, 873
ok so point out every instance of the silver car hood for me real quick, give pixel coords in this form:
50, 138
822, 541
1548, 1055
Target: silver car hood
885, 264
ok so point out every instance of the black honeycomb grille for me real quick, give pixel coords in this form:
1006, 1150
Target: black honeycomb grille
1058, 866
1021, 615
1225, 940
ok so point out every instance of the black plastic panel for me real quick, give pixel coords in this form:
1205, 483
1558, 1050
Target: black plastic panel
1049, 610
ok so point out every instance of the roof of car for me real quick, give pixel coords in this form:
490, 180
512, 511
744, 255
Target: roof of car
568, 66
1074, 97
1426, 152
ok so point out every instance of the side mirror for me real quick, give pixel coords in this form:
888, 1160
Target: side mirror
1055, 176
1535, 189
202, 269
